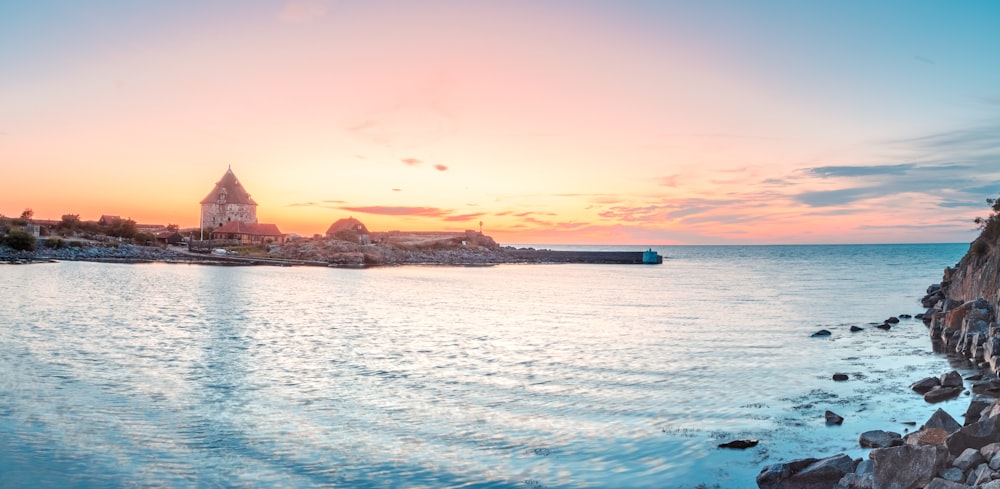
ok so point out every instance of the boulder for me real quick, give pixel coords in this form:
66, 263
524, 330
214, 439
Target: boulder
990, 450
907, 466
975, 435
928, 436
968, 459
855, 329
991, 485
833, 418
807, 473
980, 408
905, 316
994, 461
953, 474
840, 377
926, 384
885, 326
856, 481
892, 320
946, 484
880, 439
951, 379
979, 475
943, 420
821, 333
942, 394
739, 444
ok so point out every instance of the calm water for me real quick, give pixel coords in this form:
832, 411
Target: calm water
509, 376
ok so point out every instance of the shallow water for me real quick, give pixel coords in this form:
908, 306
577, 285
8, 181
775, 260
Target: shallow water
508, 376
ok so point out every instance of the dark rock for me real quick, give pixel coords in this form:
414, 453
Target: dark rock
925, 385
821, 333
979, 475
990, 450
990, 388
974, 377
946, 484
880, 439
840, 377
739, 444
975, 435
952, 474
979, 409
951, 379
855, 329
884, 326
905, 316
907, 466
943, 420
833, 418
942, 394
807, 473
892, 320
968, 459
928, 436
856, 481
994, 461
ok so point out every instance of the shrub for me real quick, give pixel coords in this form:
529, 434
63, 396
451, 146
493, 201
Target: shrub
75, 244
55, 243
20, 241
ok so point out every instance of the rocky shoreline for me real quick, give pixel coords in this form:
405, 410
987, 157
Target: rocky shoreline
942, 453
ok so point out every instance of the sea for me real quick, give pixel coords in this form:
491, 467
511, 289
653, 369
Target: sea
511, 376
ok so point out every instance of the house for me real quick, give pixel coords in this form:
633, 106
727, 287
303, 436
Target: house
227, 202
349, 229
170, 237
107, 220
249, 233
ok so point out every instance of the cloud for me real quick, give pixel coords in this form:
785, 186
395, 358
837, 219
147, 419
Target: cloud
844, 196
399, 211
668, 181
859, 171
397, 190
465, 217
441, 168
411, 161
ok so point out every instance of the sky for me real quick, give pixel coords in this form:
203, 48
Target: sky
556, 121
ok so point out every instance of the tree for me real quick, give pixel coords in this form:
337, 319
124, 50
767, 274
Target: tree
20, 241
122, 228
27, 214
69, 222
172, 228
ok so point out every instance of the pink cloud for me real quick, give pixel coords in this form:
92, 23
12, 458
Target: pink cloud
400, 211
464, 217
440, 168
411, 161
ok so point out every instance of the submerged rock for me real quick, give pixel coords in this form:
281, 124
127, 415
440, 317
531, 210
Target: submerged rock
884, 326
833, 418
821, 333
739, 444
807, 473
855, 329
880, 439
925, 385
840, 377
942, 394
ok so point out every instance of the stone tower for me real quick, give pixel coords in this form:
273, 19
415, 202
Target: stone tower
227, 202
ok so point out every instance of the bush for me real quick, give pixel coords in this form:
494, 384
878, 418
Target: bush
55, 243
20, 241
75, 244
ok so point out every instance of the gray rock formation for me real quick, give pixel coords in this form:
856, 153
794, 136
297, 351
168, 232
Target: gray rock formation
808, 473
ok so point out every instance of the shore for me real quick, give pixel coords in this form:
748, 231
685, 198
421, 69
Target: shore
322, 254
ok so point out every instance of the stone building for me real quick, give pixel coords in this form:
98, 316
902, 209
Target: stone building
228, 202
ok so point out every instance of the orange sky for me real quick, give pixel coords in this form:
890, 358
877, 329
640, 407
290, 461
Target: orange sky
550, 122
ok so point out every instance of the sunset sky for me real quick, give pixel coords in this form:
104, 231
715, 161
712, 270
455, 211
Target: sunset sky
632, 122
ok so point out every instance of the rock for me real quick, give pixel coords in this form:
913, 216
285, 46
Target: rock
807, 473
994, 461
855, 329
892, 320
968, 459
905, 316
979, 475
840, 377
990, 450
924, 385
928, 436
943, 420
946, 484
942, 394
833, 418
979, 409
975, 435
975, 377
907, 466
951, 379
885, 326
821, 333
880, 439
953, 474
991, 485
856, 481
739, 444
864, 467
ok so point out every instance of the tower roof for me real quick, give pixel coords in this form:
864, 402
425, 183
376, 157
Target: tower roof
228, 190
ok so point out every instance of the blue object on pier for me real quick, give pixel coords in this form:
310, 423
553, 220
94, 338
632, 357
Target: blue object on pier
651, 257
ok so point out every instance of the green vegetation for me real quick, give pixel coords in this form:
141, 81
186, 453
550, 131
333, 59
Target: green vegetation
989, 228
20, 241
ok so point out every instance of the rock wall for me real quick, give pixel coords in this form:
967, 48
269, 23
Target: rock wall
977, 275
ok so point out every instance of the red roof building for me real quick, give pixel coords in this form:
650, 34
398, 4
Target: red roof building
250, 233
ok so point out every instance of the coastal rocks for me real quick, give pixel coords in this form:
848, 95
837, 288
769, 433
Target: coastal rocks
880, 439
833, 418
739, 444
821, 333
840, 377
942, 394
808, 473
884, 326
975, 435
907, 466
943, 420
855, 329
924, 385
